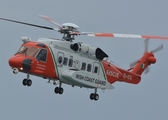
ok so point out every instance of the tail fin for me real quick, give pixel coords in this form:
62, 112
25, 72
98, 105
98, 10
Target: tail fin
146, 60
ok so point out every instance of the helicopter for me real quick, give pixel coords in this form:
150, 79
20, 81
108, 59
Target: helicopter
64, 61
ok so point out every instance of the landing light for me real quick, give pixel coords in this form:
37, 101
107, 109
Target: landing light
21, 68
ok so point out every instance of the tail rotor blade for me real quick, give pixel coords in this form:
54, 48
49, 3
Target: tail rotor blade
146, 42
147, 70
132, 64
158, 49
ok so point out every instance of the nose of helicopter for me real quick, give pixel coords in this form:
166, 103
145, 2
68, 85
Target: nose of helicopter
20, 63
14, 62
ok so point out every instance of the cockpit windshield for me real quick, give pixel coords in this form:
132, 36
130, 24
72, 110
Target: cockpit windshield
28, 51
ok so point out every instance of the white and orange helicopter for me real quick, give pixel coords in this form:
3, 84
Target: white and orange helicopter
75, 63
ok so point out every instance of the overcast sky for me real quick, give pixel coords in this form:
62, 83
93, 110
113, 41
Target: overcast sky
146, 101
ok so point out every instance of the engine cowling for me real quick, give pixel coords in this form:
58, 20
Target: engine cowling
89, 50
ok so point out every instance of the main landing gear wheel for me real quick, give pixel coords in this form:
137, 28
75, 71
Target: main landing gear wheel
27, 82
59, 90
94, 96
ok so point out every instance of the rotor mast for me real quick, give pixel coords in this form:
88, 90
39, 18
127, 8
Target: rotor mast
69, 31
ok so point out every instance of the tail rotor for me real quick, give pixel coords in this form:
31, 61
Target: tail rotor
146, 44
157, 49
150, 59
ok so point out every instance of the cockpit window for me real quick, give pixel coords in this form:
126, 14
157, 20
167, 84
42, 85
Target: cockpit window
28, 51
21, 50
31, 51
42, 55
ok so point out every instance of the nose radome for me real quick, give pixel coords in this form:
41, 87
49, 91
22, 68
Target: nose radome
20, 62
14, 62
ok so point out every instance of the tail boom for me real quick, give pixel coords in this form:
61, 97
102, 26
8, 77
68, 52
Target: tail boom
129, 77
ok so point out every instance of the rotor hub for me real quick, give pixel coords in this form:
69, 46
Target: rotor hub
68, 30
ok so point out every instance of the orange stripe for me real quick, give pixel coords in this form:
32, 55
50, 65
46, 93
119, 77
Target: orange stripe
155, 37
104, 35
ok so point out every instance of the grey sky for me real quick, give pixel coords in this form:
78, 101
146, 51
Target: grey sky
147, 100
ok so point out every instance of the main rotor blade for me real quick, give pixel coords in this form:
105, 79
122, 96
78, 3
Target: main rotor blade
81, 33
50, 20
126, 36
44, 27
158, 49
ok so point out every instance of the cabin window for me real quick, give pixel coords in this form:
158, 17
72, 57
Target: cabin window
89, 66
65, 61
60, 59
83, 66
95, 69
70, 64
42, 55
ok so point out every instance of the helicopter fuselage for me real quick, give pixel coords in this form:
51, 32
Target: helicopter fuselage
55, 60
75, 64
